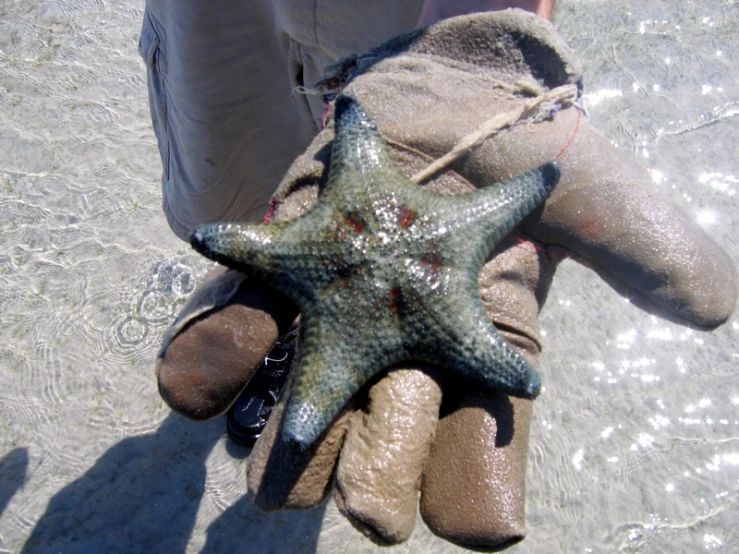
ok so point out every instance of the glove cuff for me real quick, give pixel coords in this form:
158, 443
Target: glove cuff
512, 46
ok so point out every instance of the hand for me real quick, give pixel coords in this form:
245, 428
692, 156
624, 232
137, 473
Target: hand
427, 91
222, 336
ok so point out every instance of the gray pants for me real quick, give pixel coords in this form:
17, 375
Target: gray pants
222, 76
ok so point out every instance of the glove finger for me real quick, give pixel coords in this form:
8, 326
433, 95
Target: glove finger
607, 212
610, 212
385, 450
474, 485
282, 476
217, 343
514, 284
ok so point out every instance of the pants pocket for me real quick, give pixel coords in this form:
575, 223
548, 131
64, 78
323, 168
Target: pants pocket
152, 52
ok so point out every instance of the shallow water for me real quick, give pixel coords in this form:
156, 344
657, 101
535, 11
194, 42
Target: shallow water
635, 445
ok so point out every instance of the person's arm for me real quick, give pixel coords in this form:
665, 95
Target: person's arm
436, 10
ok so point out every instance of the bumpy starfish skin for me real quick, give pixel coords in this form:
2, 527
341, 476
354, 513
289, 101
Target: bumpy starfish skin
383, 271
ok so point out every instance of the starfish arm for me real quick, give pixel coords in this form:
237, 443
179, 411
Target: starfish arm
467, 341
292, 256
483, 217
250, 248
359, 154
486, 356
334, 363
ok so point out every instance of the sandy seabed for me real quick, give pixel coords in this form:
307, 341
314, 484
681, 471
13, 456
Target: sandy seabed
635, 442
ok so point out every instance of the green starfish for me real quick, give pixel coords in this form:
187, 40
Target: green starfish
383, 271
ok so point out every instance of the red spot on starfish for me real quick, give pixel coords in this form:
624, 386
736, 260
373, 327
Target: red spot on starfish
432, 261
356, 223
406, 217
395, 300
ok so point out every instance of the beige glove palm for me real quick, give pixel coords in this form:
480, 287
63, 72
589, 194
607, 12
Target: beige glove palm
428, 91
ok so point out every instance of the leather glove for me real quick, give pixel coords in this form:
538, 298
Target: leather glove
428, 92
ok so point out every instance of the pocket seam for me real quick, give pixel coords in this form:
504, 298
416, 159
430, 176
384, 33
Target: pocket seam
149, 44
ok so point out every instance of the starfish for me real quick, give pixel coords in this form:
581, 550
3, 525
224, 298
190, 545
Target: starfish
383, 271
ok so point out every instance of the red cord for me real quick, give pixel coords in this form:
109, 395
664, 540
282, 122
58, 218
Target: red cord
326, 113
528, 242
270, 211
572, 138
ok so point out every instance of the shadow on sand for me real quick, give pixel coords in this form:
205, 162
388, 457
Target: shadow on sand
13, 469
143, 495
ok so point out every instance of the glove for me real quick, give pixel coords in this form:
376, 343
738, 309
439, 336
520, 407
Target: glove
443, 89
